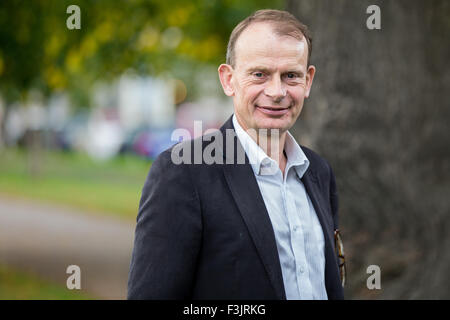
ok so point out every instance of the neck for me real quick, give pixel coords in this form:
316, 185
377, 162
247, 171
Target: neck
272, 143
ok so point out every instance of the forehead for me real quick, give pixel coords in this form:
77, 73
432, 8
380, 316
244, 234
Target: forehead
259, 44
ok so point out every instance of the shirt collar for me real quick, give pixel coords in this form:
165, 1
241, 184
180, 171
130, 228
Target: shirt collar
261, 163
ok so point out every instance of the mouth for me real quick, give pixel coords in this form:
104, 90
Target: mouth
274, 111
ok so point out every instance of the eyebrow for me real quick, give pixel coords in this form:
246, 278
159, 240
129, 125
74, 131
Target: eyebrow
267, 70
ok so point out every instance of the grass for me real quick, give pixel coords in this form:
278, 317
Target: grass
74, 179
17, 285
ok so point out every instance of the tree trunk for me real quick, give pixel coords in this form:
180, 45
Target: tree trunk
379, 112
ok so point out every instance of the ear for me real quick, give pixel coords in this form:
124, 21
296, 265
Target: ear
309, 79
225, 76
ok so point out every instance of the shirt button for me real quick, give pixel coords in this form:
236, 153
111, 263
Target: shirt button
295, 228
301, 270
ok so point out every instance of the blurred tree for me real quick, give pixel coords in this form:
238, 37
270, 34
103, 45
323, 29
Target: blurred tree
38, 51
379, 112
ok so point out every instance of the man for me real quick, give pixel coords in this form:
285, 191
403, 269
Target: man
262, 229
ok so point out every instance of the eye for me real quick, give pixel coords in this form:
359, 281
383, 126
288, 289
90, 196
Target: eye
291, 75
258, 74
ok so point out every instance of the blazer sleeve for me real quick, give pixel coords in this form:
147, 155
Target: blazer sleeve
168, 234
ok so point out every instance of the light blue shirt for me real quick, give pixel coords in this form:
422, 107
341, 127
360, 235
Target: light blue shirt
298, 233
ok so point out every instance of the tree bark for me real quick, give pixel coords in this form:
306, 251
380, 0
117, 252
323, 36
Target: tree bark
379, 112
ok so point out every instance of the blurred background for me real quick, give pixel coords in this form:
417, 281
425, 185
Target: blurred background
83, 112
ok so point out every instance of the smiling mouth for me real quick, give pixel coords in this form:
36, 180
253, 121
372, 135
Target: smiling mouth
273, 108
276, 111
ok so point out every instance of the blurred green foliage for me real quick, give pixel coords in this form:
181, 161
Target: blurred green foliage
38, 51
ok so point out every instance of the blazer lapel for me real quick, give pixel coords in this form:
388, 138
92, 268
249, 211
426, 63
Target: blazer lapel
244, 188
331, 266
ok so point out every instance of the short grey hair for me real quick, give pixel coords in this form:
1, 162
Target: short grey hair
284, 24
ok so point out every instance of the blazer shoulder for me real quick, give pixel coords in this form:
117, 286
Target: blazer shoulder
200, 150
177, 155
165, 170
168, 178
163, 162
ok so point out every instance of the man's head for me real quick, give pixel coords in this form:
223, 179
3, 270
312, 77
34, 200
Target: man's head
267, 71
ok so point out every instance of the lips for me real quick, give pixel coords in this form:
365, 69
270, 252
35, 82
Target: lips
275, 111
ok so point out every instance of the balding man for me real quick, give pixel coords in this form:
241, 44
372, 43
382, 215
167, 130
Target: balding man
261, 228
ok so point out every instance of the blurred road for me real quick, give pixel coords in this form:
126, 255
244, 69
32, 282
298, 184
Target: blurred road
45, 239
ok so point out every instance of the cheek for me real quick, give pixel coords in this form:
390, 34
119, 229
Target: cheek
298, 93
251, 92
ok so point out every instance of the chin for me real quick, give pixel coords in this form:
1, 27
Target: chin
280, 124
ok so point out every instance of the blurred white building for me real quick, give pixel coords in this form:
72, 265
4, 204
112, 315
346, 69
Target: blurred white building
129, 104
145, 101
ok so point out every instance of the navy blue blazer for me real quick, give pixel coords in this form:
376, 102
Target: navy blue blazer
203, 231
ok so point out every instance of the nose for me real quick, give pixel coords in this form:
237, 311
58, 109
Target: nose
275, 89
